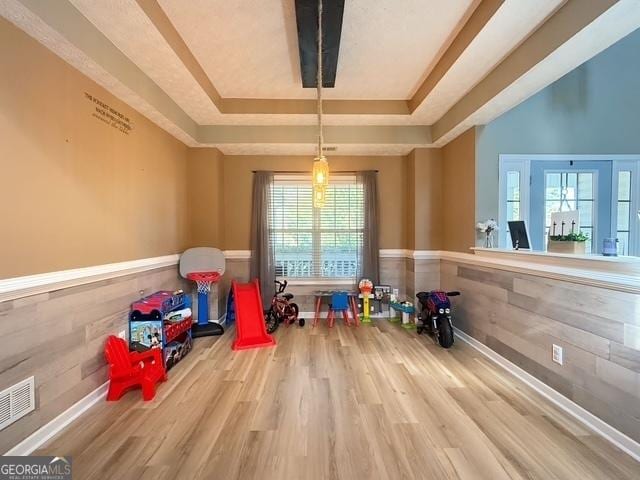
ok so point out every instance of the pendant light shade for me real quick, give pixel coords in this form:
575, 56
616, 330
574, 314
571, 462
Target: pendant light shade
319, 196
320, 172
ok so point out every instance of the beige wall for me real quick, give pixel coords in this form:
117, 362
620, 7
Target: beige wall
205, 173
75, 191
424, 199
238, 184
96, 195
458, 192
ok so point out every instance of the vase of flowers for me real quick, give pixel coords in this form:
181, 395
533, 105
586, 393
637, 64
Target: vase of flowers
487, 227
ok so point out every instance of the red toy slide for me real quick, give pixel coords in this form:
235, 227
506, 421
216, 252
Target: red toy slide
251, 331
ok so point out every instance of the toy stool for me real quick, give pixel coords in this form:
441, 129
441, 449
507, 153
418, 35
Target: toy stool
339, 303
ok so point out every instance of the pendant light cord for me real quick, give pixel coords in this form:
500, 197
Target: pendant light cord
319, 79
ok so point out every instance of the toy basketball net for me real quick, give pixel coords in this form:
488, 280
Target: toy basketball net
203, 265
204, 280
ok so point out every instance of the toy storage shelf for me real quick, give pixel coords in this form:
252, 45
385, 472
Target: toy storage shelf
148, 327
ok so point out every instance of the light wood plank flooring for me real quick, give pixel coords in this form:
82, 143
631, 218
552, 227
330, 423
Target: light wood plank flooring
351, 403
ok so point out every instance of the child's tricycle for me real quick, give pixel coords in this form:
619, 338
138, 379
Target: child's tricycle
435, 315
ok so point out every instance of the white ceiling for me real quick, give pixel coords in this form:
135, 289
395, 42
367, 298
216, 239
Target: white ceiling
249, 48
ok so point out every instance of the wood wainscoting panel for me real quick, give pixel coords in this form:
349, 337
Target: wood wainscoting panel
522, 316
59, 336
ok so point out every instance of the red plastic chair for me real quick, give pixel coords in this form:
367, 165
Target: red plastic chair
131, 369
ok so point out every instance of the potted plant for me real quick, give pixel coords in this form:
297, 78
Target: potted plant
573, 243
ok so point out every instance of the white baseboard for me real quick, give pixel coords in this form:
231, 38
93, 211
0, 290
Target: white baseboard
619, 439
55, 426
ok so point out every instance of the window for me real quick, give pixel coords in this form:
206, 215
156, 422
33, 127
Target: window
316, 242
513, 197
623, 229
604, 189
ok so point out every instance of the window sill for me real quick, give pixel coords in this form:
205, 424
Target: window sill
319, 281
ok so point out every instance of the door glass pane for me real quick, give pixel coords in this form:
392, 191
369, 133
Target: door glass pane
623, 243
553, 188
624, 186
513, 211
551, 206
623, 215
513, 185
586, 213
588, 231
571, 186
585, 186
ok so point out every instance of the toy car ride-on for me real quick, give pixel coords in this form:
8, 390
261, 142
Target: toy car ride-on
435, 315
282, 310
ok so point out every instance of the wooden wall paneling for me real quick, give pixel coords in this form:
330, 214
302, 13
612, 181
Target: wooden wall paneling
58, 337
520, 316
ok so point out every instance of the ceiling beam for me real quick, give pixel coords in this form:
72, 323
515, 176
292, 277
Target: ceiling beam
307, 22
308, 134
475, 23
553, 36
154, 11
309, 107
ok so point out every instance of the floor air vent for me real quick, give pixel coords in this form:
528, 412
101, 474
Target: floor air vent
16, 401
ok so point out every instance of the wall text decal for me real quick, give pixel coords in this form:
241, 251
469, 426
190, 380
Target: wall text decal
110, 115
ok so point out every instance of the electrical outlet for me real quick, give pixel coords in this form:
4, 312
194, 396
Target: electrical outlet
122, 334
557, 354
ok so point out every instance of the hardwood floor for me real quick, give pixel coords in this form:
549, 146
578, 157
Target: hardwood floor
352, 403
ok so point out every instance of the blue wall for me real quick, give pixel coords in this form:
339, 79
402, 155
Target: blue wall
594, 109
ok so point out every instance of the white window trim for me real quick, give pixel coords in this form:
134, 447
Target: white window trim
523, 167
320, 281
634, 231
522, 162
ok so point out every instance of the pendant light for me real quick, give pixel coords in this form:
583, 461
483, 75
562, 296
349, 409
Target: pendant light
320, 173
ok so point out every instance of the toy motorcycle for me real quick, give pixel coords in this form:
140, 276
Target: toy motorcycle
435, 315
282, 310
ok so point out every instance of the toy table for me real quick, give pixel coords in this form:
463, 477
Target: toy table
149, 329
320, 294
407, 311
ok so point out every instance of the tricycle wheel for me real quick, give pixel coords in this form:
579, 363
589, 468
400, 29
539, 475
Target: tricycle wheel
419, 330
301, 322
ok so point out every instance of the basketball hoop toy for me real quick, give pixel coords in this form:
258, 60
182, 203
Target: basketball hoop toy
204, 266
204, 280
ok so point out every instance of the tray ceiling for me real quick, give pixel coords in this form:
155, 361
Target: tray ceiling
193, 66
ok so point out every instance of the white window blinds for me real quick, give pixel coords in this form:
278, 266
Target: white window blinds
316, 242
